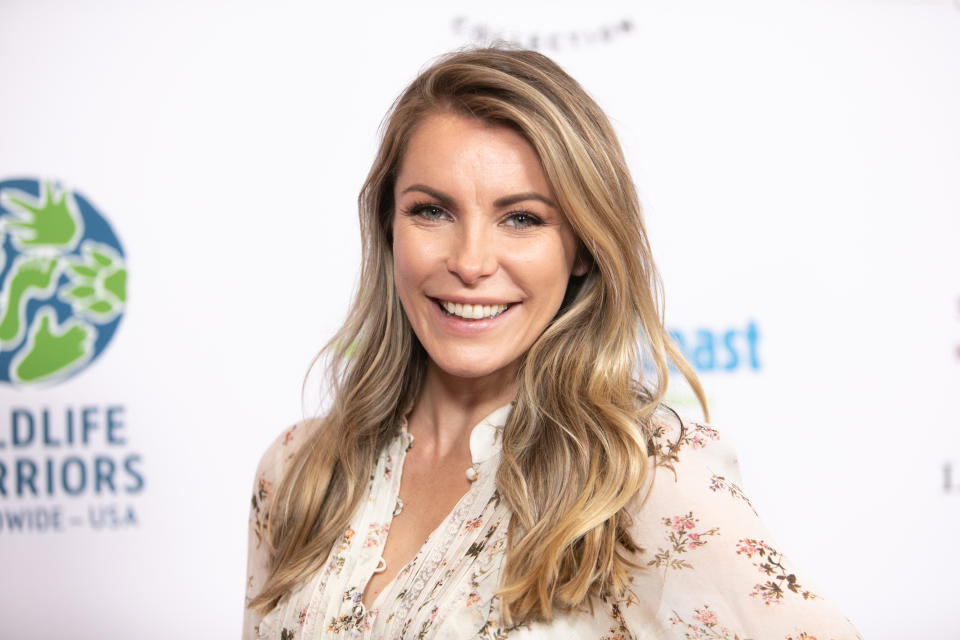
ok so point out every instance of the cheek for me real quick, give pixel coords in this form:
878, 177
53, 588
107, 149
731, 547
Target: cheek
410, 265
546, 270
558, 278
401, 271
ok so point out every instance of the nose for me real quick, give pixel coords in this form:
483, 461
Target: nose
472, 255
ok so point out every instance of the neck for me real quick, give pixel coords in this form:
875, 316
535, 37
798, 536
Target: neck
449, 407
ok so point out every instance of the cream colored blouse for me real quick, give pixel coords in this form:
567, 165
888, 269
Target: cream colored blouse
710, 569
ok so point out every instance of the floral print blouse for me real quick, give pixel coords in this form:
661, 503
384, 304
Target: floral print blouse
710, 569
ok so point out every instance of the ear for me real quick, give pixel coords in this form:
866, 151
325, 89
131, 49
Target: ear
582, 262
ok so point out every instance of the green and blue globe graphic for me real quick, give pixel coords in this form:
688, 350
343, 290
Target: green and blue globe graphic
63, 282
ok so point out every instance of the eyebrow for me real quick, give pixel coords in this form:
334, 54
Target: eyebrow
505, 201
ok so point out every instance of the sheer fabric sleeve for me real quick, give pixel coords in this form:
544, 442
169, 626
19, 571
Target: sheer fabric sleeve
709, 568
269, 472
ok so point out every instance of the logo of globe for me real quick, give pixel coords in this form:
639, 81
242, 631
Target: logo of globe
63, 282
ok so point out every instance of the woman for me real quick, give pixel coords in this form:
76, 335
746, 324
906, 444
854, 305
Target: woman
496, 462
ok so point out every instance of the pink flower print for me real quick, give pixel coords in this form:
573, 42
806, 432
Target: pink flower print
302, 615
749, 546
710, 432
264, 488
771, 563
681, 539
472, 525
767, 595
287, 437
705, 616
697, 442
373, 535
705, 624
345, 541
746, 547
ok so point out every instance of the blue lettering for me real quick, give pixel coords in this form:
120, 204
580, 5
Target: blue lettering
49, 476
681, 343
26, 474
47, 440
33, 519
704, 356
133, 473
88, 423
734, 359
97, 517
3, 476
14, 520
70, 426
725, 349
753, 336
114, 423
78, 487
18, 439
104, 468
109, 517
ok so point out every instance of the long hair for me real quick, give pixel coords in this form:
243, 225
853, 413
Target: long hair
575, 446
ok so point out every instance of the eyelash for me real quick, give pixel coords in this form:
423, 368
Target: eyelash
419, 208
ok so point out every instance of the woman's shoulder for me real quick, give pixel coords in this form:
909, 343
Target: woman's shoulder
272, 465
683, 447
269, 472
694, 470
274, 460
714, 563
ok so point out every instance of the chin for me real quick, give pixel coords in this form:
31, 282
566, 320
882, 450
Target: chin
469, 368
467, 372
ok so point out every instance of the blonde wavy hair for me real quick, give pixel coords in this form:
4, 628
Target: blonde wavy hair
575, 448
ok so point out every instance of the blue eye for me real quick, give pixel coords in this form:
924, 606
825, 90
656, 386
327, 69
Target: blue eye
428, 211
522, 220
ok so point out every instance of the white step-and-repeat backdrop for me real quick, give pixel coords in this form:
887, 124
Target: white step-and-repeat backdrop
178, 237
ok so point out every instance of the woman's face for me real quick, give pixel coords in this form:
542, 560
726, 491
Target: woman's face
482, 255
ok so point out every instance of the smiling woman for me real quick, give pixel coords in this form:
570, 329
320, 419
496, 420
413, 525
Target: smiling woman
482, 255
497, 461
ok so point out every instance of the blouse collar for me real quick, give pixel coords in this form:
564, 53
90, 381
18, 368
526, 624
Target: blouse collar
486, 436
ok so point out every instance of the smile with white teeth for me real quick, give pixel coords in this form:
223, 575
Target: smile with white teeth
473, 311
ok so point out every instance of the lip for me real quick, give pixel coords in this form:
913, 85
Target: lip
463, 300
463, 327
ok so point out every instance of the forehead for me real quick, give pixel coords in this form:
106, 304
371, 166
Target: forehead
449, 146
